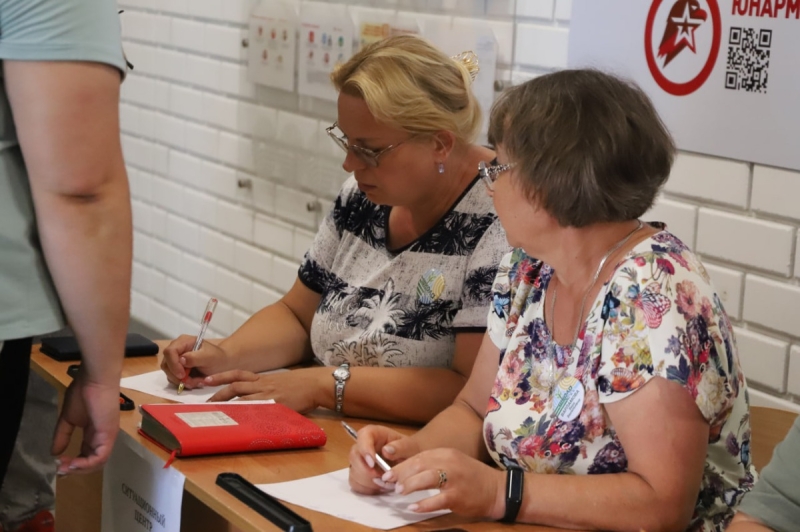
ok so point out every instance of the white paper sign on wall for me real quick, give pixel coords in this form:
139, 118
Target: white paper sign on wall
138, 493
723, 74
326, 38
373, 24
272, 44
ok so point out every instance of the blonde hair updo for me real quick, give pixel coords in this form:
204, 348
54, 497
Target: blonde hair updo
410, 84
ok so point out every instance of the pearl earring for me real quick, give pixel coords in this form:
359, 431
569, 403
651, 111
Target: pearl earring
441, 168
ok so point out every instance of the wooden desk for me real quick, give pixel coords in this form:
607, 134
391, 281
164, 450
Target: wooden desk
206, 506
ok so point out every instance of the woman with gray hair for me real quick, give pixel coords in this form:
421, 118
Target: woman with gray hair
608, 384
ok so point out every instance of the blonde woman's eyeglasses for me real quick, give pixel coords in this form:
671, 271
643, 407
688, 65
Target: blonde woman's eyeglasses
490, 173
369, 157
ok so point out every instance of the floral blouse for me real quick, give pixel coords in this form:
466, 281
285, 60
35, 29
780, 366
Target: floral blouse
658, 315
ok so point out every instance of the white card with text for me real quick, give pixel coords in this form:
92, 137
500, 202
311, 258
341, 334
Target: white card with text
138, 493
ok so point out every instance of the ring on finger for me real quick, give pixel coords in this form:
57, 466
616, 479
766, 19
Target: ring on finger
442, 479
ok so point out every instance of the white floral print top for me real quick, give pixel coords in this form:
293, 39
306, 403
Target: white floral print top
658, 315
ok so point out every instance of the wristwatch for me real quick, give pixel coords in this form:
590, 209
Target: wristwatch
340, 374
515, 482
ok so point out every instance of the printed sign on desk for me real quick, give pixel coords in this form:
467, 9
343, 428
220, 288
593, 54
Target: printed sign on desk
326, 38
723, 74
139, 495
272, 41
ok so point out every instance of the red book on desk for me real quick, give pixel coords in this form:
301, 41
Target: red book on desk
218, 428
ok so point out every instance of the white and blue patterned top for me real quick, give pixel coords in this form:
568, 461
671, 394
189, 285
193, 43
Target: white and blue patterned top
401, 307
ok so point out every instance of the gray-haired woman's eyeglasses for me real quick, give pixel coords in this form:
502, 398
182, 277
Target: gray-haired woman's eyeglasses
369, 157
490, 173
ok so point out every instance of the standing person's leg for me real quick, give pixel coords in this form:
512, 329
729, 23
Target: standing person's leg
14, 368
28, 496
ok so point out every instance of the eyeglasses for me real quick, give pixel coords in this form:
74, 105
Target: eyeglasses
489, 174
369, 157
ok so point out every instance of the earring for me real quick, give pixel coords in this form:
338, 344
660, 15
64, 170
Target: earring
441, 168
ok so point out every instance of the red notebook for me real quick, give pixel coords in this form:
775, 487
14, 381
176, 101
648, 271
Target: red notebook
195, 429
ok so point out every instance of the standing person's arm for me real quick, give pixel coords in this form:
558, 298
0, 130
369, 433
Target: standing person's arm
67, 119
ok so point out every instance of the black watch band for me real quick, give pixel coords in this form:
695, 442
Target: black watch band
515, 482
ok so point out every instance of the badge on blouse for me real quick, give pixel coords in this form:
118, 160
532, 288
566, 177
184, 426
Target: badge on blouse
430, 286
568, 399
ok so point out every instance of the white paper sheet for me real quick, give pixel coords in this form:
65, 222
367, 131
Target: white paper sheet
156, 383
331, 494
138, 493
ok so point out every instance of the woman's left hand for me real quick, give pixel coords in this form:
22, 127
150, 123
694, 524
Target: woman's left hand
298, 389
470, 487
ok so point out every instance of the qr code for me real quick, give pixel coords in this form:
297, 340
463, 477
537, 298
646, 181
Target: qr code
748, 59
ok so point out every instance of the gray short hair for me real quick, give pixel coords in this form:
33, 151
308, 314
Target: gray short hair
589, 146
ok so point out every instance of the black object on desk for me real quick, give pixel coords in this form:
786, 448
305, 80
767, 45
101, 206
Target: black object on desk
263, 503
73, 370
125, 402
64, 348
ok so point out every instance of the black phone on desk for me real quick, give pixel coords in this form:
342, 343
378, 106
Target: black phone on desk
125, 402
65, 348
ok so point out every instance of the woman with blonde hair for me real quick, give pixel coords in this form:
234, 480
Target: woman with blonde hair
608, 386
394, 291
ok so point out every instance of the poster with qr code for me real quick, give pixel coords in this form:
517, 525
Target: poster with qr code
723, 74
747, 67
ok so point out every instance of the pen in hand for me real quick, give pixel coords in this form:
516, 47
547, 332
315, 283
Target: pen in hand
204, 321
378, 458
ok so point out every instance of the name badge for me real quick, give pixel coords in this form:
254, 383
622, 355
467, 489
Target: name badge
568, 399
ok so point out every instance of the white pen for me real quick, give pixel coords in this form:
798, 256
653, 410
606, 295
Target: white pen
378, 458
204, 321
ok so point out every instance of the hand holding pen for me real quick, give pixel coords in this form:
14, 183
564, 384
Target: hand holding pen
204, 321
378, 458
369, 472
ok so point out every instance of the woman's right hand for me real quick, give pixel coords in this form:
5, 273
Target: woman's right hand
365, 475
179, 360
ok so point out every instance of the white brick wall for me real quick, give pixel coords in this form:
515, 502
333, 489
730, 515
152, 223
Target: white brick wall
763, 358
710, 179
542, 47
776, 191
542, 9
193, 126
772, 304
746, 240
794, 370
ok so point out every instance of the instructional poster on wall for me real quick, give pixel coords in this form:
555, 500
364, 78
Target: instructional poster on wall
373, 25
326, 38
273, 43
138, 493
370, 32
724, 75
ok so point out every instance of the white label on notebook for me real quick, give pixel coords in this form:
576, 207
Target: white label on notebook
206, 419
